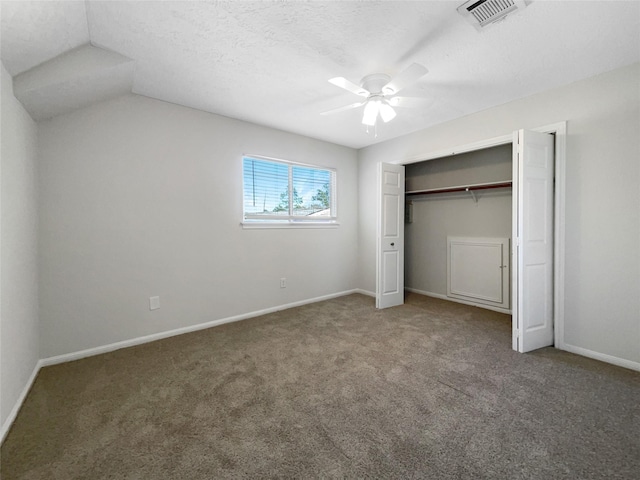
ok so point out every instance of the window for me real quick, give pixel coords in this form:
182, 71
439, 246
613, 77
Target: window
280, 192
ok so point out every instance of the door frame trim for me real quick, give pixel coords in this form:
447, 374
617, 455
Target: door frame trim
559, 130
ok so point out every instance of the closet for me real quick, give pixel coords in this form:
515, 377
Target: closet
458, 216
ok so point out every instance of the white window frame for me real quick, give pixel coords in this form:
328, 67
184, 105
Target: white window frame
277, 221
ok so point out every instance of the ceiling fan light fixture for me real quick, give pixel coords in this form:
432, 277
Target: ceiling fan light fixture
371, 110
387, 113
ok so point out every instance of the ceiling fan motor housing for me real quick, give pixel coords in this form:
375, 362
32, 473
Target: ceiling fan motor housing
374, 82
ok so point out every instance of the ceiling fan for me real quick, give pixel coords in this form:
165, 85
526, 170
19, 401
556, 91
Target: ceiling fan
380, 92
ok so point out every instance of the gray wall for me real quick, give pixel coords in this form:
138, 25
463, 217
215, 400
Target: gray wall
436, 216
142, 198
19, 350
602, 277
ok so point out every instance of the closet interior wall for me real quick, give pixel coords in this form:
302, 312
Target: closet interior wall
439, 215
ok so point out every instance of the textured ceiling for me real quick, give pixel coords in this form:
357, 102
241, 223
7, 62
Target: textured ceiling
269, 62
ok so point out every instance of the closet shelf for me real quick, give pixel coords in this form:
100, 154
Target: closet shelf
461, 188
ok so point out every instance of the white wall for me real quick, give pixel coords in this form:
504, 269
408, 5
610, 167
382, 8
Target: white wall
602, 284
141, 198
19, 350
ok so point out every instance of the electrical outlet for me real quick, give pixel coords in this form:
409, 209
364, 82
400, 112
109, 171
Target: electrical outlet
154, 303
283, 283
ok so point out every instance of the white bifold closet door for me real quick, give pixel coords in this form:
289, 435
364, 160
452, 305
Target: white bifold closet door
533, 174
390, 236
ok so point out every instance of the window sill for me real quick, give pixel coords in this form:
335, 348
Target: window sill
287, 224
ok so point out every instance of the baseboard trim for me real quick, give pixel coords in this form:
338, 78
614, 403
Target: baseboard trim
603, 357
90, 352
365, 292
457, 300
6, 426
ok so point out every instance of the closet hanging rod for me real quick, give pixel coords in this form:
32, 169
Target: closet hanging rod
461, 188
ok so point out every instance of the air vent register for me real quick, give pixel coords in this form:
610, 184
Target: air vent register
482, 13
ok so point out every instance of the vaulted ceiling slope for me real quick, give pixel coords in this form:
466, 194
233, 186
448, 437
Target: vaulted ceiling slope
268, 62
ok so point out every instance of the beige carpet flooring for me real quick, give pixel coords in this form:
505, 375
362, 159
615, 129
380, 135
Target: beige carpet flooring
336, 389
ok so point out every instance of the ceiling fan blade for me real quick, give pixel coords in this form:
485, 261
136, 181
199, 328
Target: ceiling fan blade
342, 109
349, 86
409, 75
410, 102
